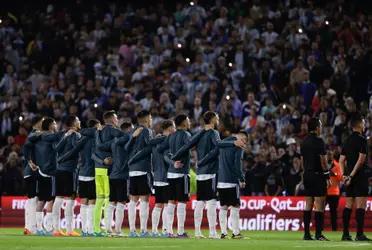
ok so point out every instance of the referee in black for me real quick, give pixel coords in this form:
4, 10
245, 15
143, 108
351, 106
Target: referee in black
315, 178
353, 164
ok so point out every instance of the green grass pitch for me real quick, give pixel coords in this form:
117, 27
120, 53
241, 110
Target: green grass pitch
13, 239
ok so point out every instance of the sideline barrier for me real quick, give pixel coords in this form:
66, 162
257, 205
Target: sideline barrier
264, 213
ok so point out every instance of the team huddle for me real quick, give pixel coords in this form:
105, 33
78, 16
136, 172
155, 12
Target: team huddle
110, 167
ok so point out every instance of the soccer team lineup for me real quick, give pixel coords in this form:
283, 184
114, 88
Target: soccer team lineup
203, 124
121, 166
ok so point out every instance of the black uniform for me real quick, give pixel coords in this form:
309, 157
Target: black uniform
356, 144
315, 183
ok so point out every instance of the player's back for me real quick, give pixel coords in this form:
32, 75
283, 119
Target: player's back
205, 145
354, 145
311, 149
86, 164
229, 163
176, 141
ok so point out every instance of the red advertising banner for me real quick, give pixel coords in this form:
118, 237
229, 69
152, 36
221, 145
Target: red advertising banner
257, 213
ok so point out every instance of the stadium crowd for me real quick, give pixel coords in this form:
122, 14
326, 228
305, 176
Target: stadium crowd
264, 66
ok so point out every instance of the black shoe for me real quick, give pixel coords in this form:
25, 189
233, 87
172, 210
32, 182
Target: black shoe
362, 237
224, 236
346, 237
308, 237
321, 238
237, 236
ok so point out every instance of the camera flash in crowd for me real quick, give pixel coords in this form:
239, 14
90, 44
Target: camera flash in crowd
300, 30
230, 64
179, 45
1, 21
20, 118
95, 105
187, 60
284, 106
326, 22
192, 3
227, 97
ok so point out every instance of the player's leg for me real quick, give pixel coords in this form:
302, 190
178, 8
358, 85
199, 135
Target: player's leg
307, 217
183, 190
144, 213
69, 216
106, 205
199, 209
39, 215
319, 217
100, 199
361, 203
109, 216
212, 217
144, 188
27, 209
109, 211
41, 195
155, 218
211, 205
346, 218
333, 205
87, 194
122, 199
69, 193
84, 204
156, 211
58, 201
49, 195
119, 217
31, 203
56, 212
223, 221
223, 197
235, 212
91, 205
171, 205
48, 221
164, 218
132, 214
361, 193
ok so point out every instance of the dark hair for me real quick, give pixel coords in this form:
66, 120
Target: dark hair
126, 125
36, 119
313, 124
166, 124
108, 114
180, 119
208, 116
92, 123
46, 123
70, 120
142, 114
355, 119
